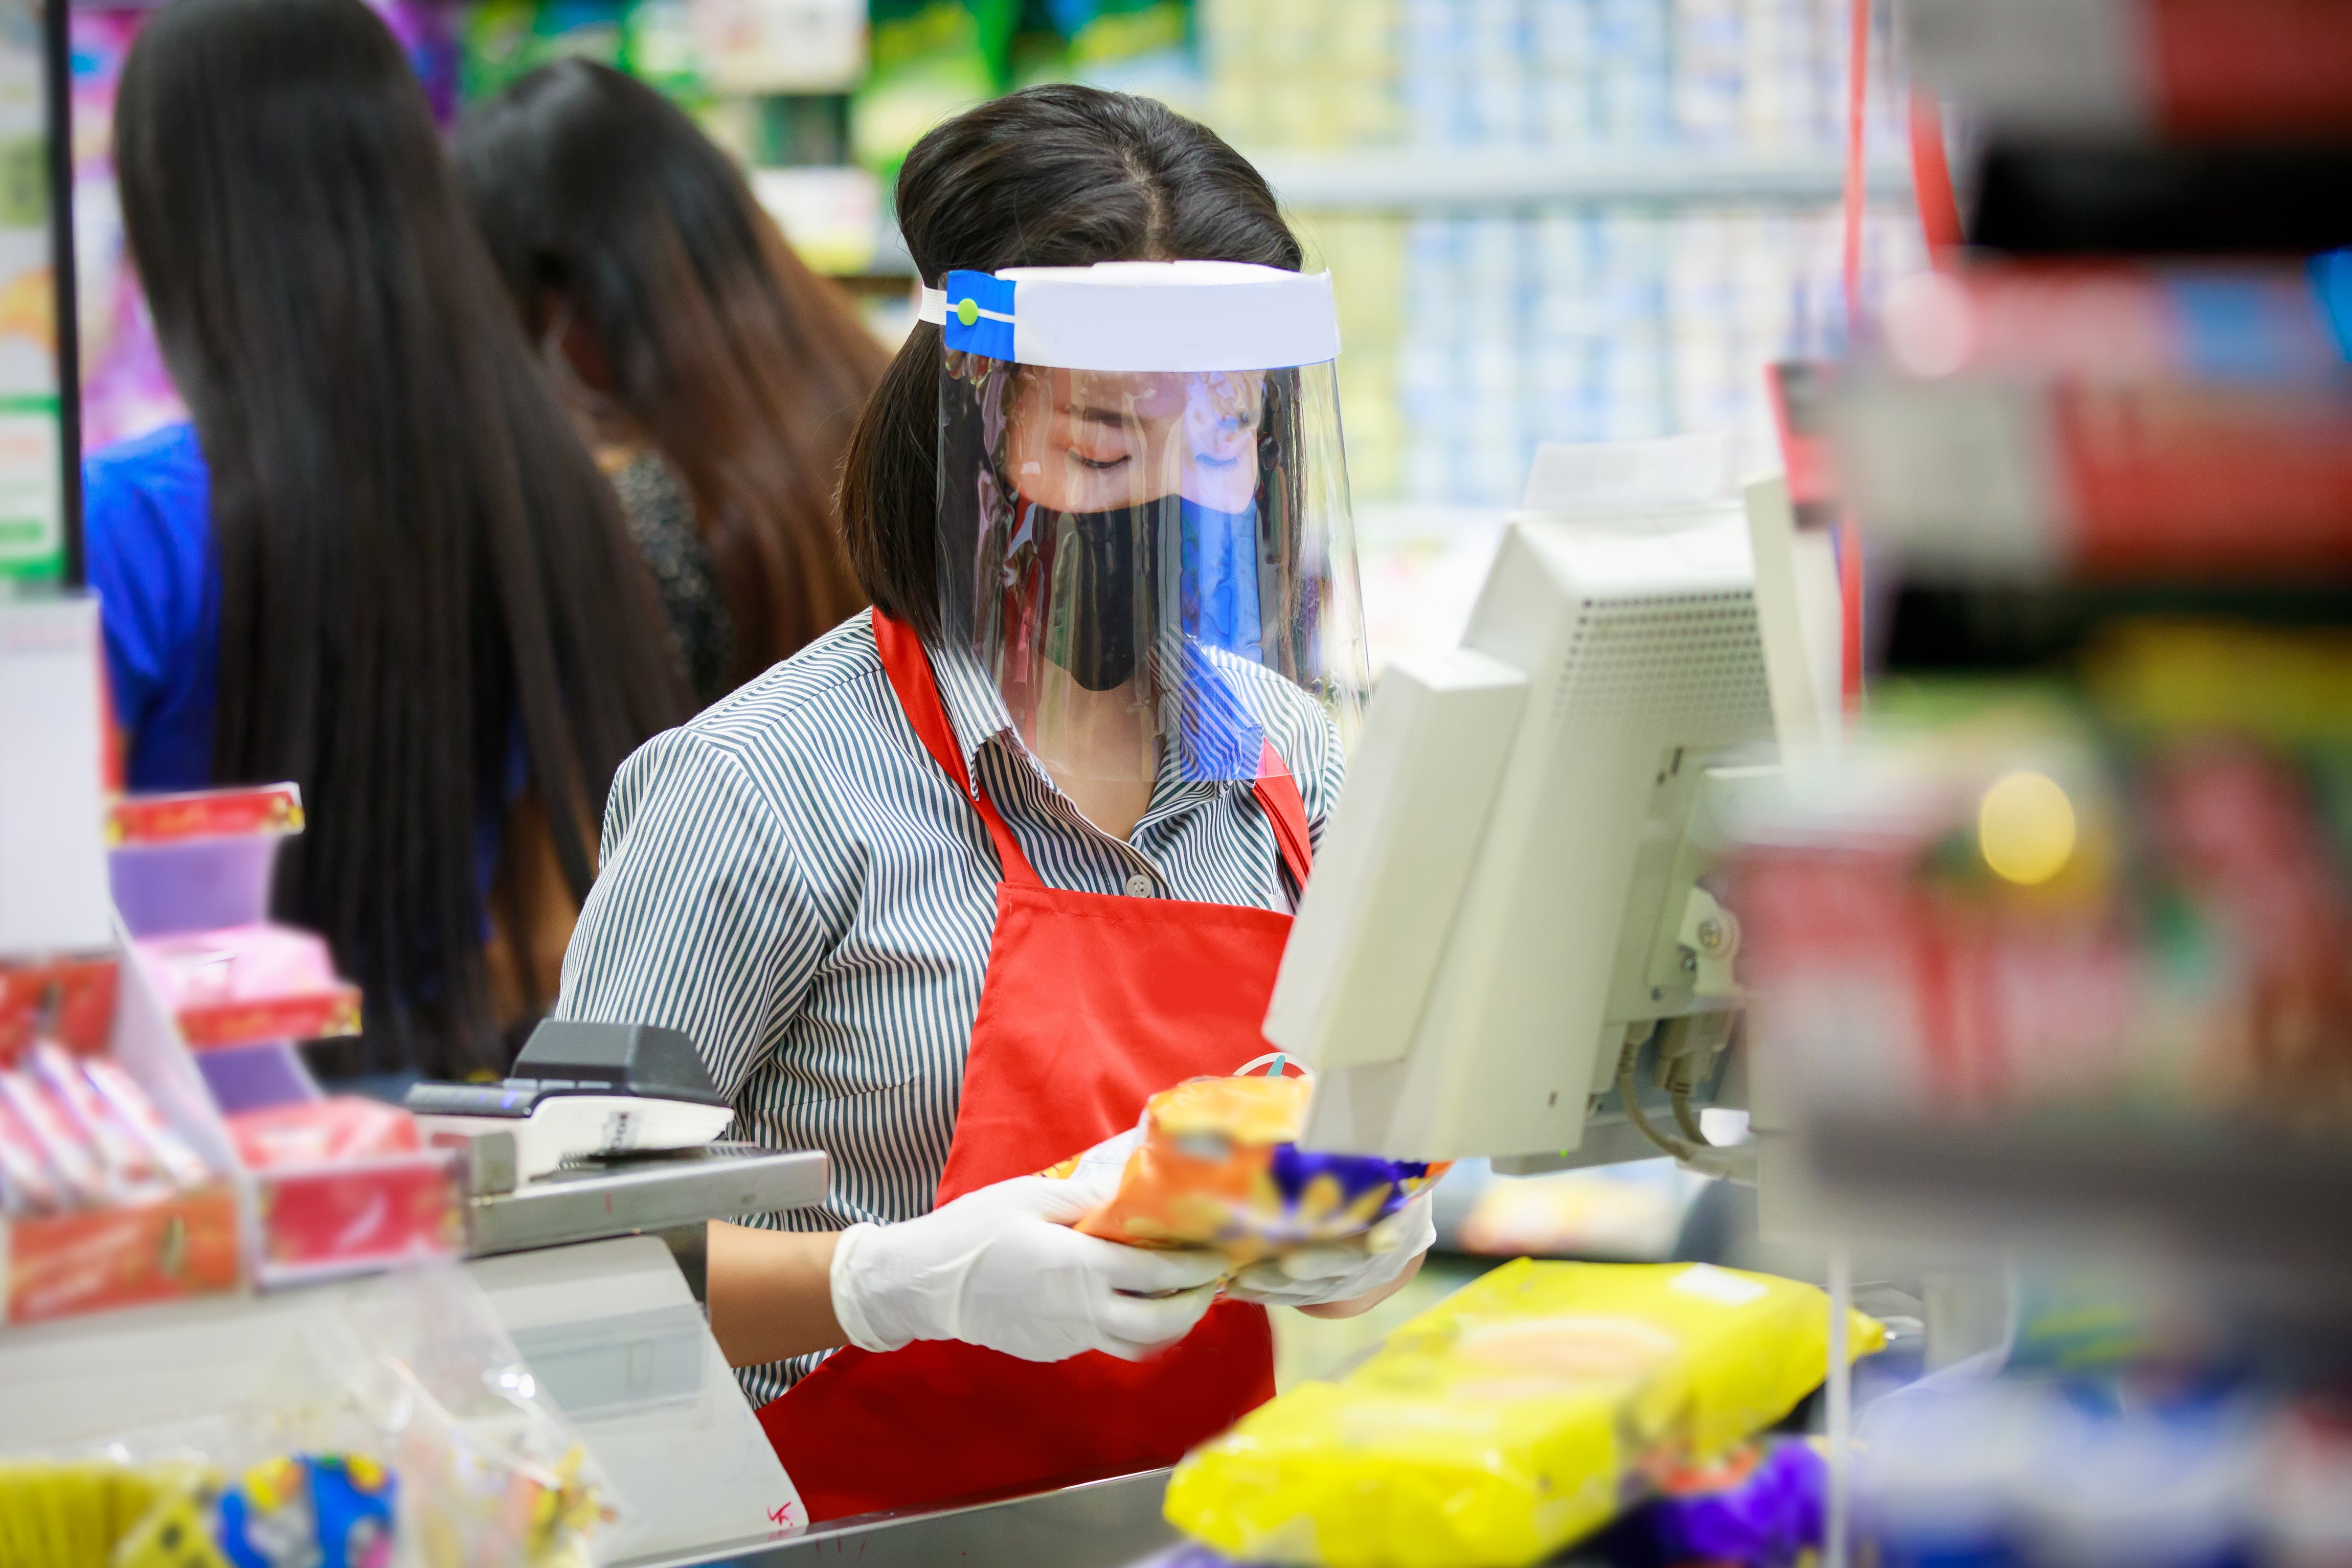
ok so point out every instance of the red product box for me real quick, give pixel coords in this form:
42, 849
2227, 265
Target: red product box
73, 998
368, 1214
336, 1130
343, 1185
205, 814
246, 984
64, 1265
314, 1016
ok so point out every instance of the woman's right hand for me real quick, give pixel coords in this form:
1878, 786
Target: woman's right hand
1001, 1267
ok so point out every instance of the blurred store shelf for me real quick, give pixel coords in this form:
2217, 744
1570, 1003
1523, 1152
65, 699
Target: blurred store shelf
2244, 1199
1411, 177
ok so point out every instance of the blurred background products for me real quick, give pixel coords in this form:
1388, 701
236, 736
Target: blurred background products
2123, 891
1547, 220
2117, 1468
2048, 949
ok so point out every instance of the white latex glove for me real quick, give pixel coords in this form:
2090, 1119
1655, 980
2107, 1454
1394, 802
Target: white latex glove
1341, 1270
1001, 1268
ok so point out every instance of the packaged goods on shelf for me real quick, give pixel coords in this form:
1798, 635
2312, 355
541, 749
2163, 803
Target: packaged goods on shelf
765, 47
191, 875
1511, 1420
2109, 420
251, 983
2048, 1471
1760, 74
2122, 900
1141, 47
1633, 314
104, 1201
321, 1132
1485, 336
503, 40
33, 516
930, 59
2062, 957
198, 860
72, 1001
338, 1187
2186, 70
344, 1185
397, 1426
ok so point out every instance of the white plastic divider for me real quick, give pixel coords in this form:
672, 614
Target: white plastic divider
1837, 1534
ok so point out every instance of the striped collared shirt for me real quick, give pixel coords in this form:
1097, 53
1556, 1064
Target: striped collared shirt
794, 881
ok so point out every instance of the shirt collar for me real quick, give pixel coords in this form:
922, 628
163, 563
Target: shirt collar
977, 714
976, 709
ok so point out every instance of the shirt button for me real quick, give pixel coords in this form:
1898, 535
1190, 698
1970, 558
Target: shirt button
1139, 886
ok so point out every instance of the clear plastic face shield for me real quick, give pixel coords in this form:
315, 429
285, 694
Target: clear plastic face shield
1143, 521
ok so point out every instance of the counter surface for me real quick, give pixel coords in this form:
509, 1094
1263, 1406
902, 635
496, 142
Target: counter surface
643, 1195
1101, 1524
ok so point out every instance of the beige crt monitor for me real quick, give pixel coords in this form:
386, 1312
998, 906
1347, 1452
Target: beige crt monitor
1517, 879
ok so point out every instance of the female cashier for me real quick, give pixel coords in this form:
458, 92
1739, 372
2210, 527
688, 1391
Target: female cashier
952, 892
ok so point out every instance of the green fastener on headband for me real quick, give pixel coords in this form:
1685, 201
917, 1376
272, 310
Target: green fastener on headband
967, 311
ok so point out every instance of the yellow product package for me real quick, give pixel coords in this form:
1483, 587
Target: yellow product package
1512, 1417
91, 1513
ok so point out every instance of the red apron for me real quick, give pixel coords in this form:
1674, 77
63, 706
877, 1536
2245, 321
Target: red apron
1092, 1004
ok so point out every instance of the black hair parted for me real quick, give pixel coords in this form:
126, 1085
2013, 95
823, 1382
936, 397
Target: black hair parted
1058, 175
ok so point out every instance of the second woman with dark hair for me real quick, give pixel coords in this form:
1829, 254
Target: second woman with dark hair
720, 375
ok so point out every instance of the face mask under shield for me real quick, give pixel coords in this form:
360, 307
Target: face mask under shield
1143, 525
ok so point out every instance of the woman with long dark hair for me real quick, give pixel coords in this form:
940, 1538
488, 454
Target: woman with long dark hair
720, 371
952, 892
379, 563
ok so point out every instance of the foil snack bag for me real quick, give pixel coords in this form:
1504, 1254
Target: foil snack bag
1215, 1163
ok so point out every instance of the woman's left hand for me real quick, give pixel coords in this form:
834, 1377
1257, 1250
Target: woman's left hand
1342, 1272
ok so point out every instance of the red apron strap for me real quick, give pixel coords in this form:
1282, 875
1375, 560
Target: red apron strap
909, 669
1278, 798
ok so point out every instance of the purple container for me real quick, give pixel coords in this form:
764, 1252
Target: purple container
251, 1077
197, 884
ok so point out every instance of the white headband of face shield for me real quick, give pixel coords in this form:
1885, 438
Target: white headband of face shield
1175, 316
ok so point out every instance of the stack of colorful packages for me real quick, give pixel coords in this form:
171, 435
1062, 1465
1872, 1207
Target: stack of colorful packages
1515, 1418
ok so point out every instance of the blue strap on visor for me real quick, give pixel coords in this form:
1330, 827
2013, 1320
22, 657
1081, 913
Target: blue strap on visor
980, 315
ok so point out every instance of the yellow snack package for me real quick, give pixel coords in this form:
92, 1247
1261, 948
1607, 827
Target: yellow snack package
1511, 1418
96, 1513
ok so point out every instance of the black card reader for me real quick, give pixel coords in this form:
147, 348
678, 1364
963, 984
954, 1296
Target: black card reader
567, 1057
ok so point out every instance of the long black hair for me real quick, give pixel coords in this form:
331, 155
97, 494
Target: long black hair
604, 203
1058, 175
426, 595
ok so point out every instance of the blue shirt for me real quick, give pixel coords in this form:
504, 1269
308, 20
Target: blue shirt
148, 531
